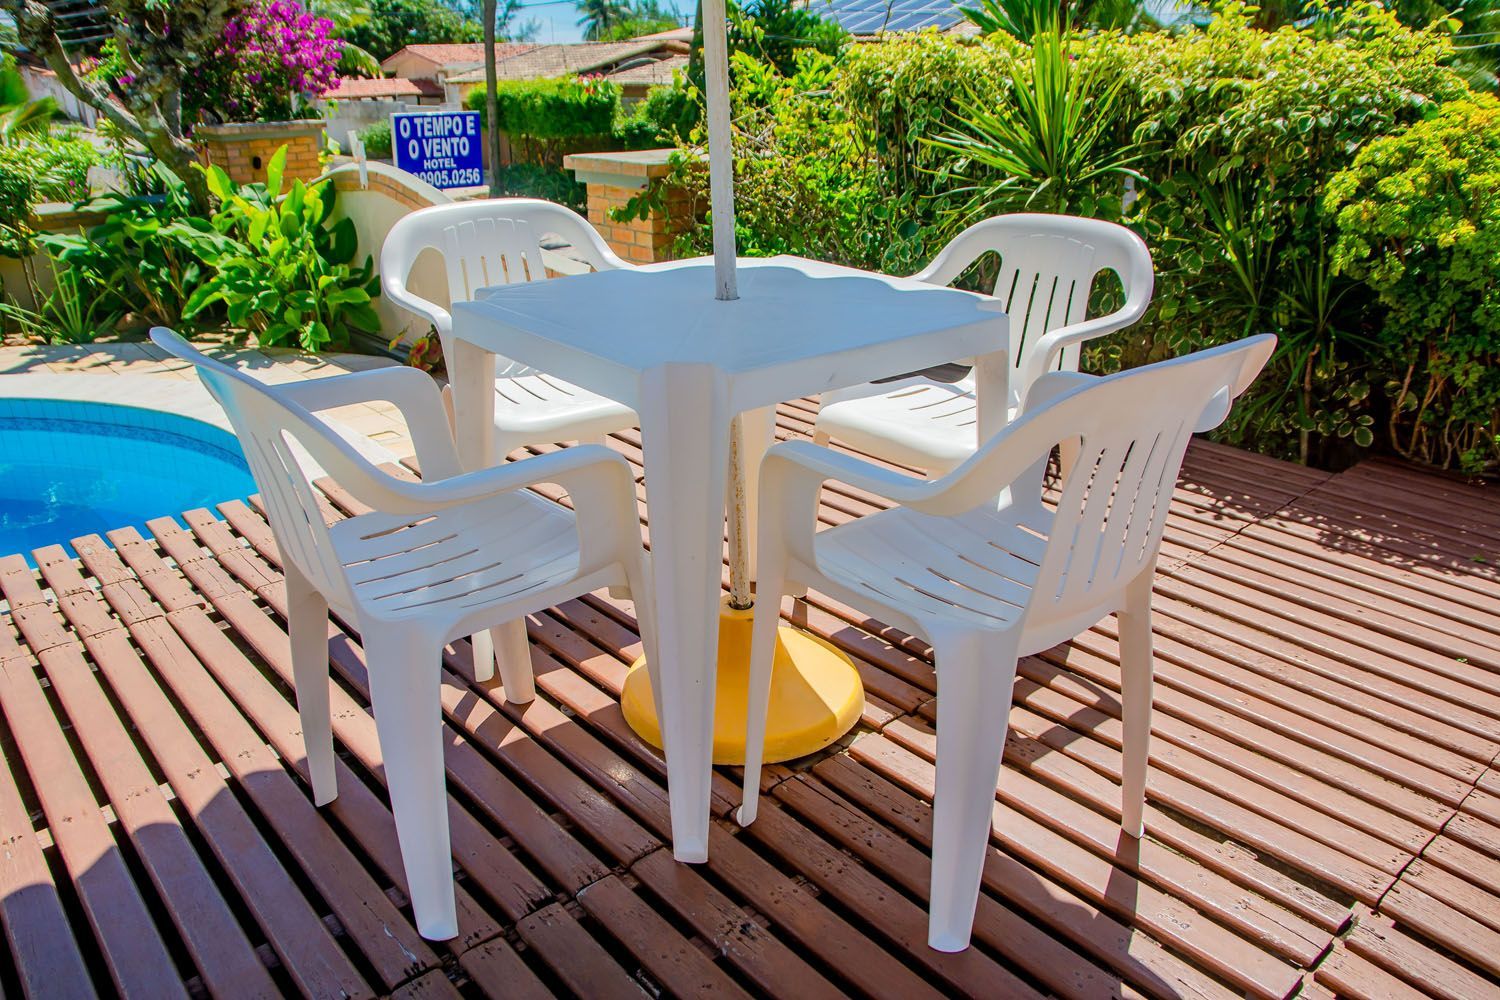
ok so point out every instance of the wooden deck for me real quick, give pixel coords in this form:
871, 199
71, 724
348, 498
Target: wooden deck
1325, 791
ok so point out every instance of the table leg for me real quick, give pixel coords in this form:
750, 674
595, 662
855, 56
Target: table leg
685, 438
471, 374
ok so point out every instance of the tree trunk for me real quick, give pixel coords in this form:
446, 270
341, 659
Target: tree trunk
695, 48
491, 111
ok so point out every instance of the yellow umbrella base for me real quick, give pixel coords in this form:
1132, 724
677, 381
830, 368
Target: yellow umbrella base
816, 696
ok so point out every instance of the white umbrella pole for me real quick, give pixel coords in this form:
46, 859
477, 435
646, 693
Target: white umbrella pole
720, 150
721, 200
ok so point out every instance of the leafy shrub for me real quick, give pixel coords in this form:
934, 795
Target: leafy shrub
377, 140
17, 195
675, 110
799, 164
283, 272
777, 31
34, 170
528, 180
146, 257
551, 109
267, 262
72, 313
1049, 147
665, 117
1418, 217
1244, 130
1233, 135
60, 165
547, 118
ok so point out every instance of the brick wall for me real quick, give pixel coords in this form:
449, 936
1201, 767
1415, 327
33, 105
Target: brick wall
402, 193
613, 179
244, 151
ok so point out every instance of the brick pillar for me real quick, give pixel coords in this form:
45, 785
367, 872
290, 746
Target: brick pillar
615, 178
245, 150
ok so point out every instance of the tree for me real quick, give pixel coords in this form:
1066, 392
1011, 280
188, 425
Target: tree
162, 47
644, 18
391, 24
601, 16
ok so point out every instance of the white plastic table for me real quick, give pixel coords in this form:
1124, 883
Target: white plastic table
655, 339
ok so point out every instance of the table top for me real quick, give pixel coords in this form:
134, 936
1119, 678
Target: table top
798, 327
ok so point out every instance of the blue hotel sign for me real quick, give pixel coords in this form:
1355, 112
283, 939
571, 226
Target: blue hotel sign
444, 148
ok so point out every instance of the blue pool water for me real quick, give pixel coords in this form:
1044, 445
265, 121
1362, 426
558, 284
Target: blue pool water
77, 468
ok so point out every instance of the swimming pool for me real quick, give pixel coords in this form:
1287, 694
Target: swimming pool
71, 468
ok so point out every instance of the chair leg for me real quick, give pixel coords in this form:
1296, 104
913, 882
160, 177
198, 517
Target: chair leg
757, 702
1067, 457
482, 648
404, 691
1136, 672
973, 707
307, 612
821, 438
513, 656
636, 566
447, 396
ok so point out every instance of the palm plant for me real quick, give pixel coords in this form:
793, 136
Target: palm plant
27, 119
1025, 19
1050, 147
599, 16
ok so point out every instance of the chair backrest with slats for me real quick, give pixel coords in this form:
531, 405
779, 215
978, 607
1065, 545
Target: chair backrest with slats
1128, 433
1133, 431
266, 424
490, 242
1047, 268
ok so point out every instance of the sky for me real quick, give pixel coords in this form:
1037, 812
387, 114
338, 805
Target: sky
557, 20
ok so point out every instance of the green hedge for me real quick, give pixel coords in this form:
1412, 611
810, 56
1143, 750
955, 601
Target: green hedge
552, 109
377, 140
38, 169
1235, 137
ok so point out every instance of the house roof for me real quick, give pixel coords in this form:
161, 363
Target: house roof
670, 35
353, 88
454, 54
656, 73
544, 61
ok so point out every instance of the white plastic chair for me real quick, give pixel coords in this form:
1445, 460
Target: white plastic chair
989, 580
1047, 267
433, 561
498, 242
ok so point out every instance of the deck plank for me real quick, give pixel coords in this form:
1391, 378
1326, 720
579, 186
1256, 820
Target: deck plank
138, 959
41, 942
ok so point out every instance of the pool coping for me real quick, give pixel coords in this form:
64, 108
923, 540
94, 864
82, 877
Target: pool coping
181, 397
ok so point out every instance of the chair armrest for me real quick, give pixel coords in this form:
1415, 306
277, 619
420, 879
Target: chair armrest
1041, 357
578, 469
564, 468
440, 318
792, 475
412, 392
397, 257
961, 251
802, 460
